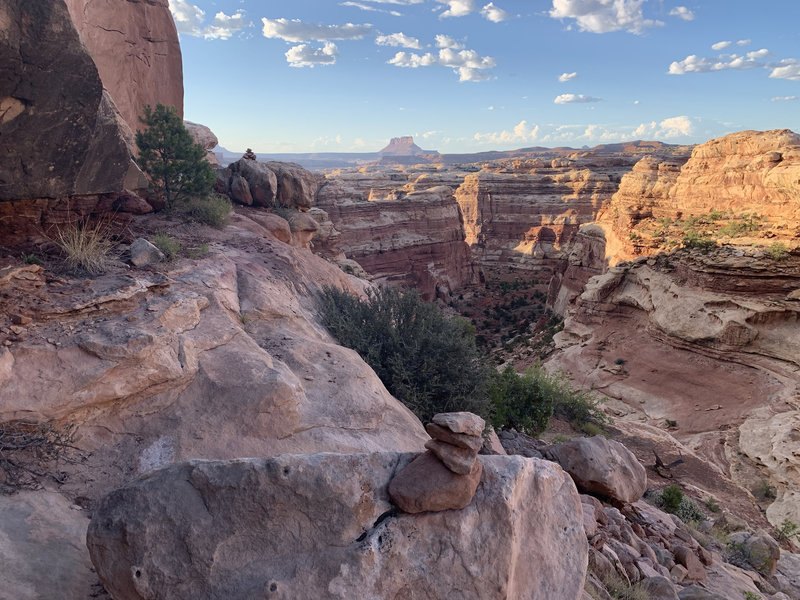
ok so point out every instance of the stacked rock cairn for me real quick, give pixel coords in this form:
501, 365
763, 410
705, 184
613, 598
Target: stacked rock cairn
446, 476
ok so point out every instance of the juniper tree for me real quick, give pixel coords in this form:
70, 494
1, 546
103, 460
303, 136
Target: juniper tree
169, 155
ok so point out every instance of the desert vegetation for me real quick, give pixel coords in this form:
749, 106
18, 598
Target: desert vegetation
432, 363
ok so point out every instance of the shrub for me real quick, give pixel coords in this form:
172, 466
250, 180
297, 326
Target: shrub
712, 504
674, 501
693, 239
524, 402
671, 497
167, 244
176, 164
86, 246
427, 361
778, 251
211, 210
787, 530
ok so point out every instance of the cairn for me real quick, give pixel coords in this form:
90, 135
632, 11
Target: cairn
446, 476
250, 155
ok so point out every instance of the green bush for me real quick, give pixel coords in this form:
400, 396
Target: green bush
211, 210
671, 497
674, 501
787, 530
524, 402
697, 241
167, 244
426, 360
778, 251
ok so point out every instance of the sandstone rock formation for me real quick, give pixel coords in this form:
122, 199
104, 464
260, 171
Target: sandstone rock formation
414, 238
602, 467
322, 526
749, 172
218, 358
44, 154
250, 182
135, 47
725, 322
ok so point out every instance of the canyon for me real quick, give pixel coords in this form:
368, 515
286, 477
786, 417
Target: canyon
204, 412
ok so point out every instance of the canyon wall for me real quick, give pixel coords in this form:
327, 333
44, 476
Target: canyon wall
409, 236
749, 173
708, 341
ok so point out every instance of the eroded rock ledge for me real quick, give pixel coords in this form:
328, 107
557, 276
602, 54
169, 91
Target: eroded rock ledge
322, 526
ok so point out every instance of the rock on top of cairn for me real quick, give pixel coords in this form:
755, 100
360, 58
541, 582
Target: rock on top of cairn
460, 422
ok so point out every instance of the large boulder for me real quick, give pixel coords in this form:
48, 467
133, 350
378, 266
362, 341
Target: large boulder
41, 539
263, 185
61, 132
297, 186
322, 526
603, 467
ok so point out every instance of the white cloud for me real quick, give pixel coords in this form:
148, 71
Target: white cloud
723, 62
428, 134
224, 26
682, 13
674, 129
743, 42
602, 16
789, 69
189, 19
784, 98
564, 77
721, 45
370, 8
304, 55
297, 31
575, 99
521, 132
411, 60
468, 64
490, 108
457, 8
445, 41
398, 39
493, 13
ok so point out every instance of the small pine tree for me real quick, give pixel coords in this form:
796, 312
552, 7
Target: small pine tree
168, 154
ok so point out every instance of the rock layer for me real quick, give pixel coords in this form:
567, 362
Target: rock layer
321, 526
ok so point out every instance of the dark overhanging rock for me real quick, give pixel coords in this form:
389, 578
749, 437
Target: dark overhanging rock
60, 133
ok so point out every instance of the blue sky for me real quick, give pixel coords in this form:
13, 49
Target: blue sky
471, 75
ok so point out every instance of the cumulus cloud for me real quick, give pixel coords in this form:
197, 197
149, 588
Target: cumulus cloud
445, 41
602, 16
298, 31
721, 45
784, 99
723, 62
189, 19
575, 99
398, 40
564, 77
412, 61
521, 132
457, 8
468, 64
682, 13
304, 55
788, 68
743, 42
493, 13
